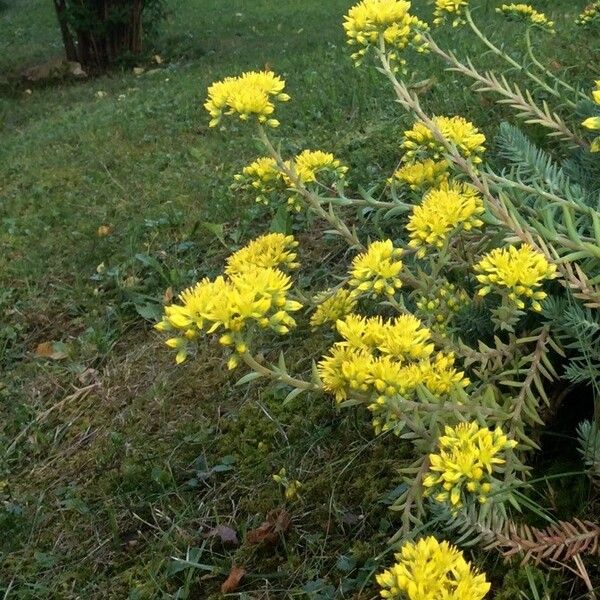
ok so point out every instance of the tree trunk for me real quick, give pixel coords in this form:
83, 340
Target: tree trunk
67, 38
101, 38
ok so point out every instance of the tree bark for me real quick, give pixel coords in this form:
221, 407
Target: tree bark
67, 38
98, 39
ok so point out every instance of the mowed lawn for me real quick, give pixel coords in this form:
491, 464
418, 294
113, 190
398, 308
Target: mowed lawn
114, 195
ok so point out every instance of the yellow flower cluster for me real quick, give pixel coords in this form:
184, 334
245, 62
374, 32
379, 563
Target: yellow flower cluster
465, 463
262, 175
377, 270
519, 272
422, 175
382, 362
437, 373
254, 291
593, 123
249, 95
432, 570
590, 14
271, 250
419, 141
373, 354
402, 338
442, 303
440, 375
450, 207
525, 12
309, 163
449, 8
371, 21
333, 306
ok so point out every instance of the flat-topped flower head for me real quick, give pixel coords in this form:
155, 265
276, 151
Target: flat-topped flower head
420, 142
333, 306
527, 14
310, 163
249, 95
254, 291
345, 370
377, 270
262, 176
421, 175
431, 570
403, 338
449, 10
266, 251
444, 210
464, 464
440, 375
517, 272
589, 15
371, 22
593, 123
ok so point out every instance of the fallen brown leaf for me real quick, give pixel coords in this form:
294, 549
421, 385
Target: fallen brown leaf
233, 579
47, 350
276, 524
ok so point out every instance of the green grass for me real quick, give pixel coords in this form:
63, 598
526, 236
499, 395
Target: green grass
118, 463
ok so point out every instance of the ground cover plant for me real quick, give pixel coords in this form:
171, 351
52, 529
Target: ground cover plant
405, 349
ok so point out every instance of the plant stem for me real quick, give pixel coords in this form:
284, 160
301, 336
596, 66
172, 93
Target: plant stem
278, 376
312, 199
511, 61
520, 101
547, 72
572, 278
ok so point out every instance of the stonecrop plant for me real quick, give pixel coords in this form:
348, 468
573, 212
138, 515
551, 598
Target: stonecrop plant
445, 320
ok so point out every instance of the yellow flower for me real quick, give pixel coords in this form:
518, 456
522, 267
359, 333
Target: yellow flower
291, 486
261, 175
389, 377
465, 463
333, 306
447, 8
430, 570
422, 174
345, 369
349, 370
377, 269
405, 338
371, 20
267, 251
309, 163
527, 13
593, 123
254, 293
596, 92
420, 141
589, 15
359, 332
444, 210
439, 376
250, 94
402, 338
518, 271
